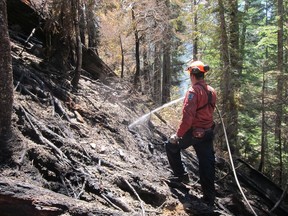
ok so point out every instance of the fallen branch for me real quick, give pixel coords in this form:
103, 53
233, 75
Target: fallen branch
123, 206
281, 199
61, 111
43, 139
111, 203
160, 117
136, 194
82, 189
26, 42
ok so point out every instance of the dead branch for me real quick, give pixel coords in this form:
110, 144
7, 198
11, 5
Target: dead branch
26, 42
82, 189
43, 139
111, 203
118, 202
136, 194
160, 117
281, 199
43, 127
25, 90
141, 188
64, 184
71, 187
60, 108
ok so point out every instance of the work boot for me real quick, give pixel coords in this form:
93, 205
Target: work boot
179, 179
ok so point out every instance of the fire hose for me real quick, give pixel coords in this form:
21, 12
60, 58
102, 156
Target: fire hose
232, 163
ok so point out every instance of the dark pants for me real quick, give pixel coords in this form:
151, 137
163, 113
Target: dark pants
205, 154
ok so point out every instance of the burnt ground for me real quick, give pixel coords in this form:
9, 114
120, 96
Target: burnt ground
72, 153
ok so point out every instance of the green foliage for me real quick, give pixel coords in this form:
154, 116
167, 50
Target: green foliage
267, 37
250, 131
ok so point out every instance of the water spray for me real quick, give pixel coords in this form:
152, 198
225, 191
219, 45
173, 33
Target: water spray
146, 116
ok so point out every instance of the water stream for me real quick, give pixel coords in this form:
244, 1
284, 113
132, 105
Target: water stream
184, 85
146, 116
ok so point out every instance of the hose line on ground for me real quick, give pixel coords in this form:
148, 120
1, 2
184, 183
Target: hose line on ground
232, 164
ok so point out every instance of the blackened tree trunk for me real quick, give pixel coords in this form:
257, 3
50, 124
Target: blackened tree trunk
166, 81
76, 78
195, 29
166, 77
157, 75
6, 76
92, 27
146, 68
137, 51
61, 41
83, 23
122, 57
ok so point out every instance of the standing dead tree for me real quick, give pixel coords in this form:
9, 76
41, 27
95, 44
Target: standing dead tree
6, 75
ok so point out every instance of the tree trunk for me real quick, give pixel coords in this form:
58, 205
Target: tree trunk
195, 29
242, 39
279, 100
91, 27
166, 82
137, 51
76, 78
146, 70
166, 76
157, 75
263, 157
62, 40
122, 57
6, 76
263, 128
83, 23
235, 73
225, 83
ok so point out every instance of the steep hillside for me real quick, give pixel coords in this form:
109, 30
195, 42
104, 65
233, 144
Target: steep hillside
72, 153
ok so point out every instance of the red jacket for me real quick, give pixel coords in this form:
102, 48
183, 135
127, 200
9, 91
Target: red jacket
196, 97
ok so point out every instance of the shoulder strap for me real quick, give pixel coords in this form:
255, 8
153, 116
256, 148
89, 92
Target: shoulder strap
209, 94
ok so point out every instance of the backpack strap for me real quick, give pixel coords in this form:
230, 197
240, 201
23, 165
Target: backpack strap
209, 94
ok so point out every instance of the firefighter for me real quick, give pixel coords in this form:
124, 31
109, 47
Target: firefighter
196, 129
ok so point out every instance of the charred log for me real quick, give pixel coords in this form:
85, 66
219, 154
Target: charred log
19, 199
266, 188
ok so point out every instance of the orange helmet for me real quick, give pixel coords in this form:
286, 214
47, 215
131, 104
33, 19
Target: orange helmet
197, 67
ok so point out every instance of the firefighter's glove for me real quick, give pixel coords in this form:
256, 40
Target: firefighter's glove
174, 139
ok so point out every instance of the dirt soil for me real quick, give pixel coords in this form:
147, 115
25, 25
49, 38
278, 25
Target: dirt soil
72, 153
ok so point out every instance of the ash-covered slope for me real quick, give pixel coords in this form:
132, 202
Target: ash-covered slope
72, 153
